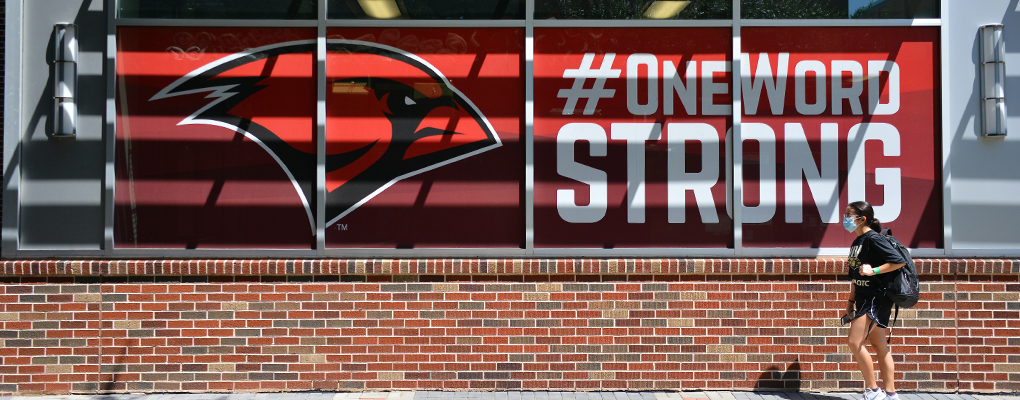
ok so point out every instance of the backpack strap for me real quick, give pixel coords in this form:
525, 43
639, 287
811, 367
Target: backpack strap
897, 315
871, 325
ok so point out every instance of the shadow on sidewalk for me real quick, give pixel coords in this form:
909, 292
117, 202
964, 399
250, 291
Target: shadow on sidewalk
780, 381
787, 384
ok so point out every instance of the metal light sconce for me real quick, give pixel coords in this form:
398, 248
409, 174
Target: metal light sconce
65, 80
380, 9
665, 9
993, 81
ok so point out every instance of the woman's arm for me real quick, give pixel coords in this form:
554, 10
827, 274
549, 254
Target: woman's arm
867, 270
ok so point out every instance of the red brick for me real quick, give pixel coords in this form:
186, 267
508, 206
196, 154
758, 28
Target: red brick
402, 343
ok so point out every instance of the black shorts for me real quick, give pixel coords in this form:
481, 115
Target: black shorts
877, 307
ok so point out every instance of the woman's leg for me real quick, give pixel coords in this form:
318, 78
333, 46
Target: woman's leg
858, 330
886, 369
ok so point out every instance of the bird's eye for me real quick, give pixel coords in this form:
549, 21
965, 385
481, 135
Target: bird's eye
408, 101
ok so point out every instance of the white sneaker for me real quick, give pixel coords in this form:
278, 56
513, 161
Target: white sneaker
895, 396
874, 394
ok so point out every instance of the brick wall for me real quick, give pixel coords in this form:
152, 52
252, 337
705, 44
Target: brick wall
197, 326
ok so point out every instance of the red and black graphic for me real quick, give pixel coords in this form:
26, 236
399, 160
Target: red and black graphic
246, 138
428, 122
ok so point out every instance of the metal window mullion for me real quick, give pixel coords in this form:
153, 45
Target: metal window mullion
377, 253
219, 23
947, 140
529, 127
110, 134
631, 23
411, 23
737, 199
841, 23
320, 133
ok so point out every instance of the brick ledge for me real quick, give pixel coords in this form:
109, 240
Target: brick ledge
451, 266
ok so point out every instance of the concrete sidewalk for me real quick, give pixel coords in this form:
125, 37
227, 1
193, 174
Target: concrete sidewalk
517, 395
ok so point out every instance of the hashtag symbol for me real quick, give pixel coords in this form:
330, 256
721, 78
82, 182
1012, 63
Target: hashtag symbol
598, 90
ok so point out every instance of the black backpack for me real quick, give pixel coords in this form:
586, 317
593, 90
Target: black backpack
902, 286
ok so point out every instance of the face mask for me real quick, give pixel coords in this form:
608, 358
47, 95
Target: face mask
848, 224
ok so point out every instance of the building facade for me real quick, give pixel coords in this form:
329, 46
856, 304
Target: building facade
513, 194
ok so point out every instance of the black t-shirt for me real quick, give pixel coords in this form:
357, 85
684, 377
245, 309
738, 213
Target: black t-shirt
873, 250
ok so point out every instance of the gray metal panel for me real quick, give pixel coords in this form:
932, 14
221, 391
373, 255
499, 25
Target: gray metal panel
62, 180
985, 173
12, 127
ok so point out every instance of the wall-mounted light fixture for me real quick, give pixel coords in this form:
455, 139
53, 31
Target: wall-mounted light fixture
665, 9
380, 9
65, 79
993, 81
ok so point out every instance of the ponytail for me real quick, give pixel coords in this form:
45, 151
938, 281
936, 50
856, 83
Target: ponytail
875, 225
863, 209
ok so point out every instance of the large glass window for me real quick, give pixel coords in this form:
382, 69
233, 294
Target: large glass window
215, 138
629, 9
424, 133
217, 9
838, 9
426, 9
827, 121
864, 9
629, 137
424, 139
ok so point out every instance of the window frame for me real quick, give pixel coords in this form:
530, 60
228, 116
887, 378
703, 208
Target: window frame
528, 24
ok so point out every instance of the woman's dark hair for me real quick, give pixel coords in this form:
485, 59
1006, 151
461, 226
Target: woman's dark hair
863, 209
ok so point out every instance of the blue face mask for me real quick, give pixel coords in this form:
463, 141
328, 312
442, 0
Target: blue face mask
848, 224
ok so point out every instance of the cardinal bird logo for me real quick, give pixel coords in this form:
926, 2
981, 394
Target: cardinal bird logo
389, 115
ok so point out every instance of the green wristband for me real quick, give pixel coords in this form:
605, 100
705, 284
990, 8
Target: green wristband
876, 270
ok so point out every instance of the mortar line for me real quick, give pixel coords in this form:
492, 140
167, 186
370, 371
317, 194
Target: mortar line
102, 319
956, 324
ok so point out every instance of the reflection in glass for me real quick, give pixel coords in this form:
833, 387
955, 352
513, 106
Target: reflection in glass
238, 175
867, 9
217, 9
630, 9
838, 9
423, 127
425, 9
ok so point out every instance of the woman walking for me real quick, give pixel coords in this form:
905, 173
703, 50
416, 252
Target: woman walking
870, 256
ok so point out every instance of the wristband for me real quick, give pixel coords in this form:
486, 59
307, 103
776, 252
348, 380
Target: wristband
876, 270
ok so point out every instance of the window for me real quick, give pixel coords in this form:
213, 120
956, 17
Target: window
838, 9
217, 9
624, 9
426, 9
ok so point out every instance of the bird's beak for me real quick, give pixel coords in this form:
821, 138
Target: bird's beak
445, 128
